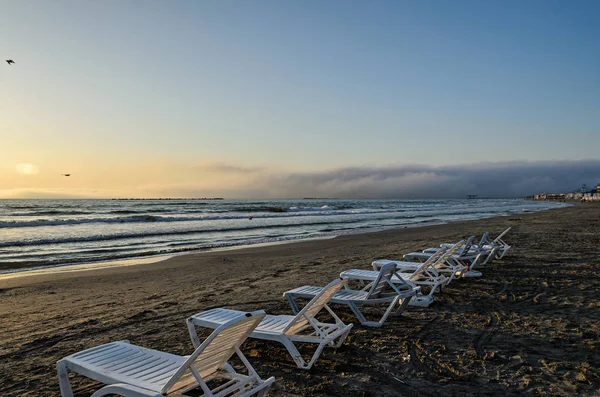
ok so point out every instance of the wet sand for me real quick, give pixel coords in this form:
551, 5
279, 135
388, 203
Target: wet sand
530, 325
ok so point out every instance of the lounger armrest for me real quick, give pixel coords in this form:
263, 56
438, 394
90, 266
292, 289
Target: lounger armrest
123, 389
379, 263
342, 329
266, 384
417, 255
401, 267
348, 275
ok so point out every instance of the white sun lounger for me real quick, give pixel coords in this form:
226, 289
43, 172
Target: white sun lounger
499, 246
377, 295
425, 275
458, 265
488, 249
132, 371
300, 328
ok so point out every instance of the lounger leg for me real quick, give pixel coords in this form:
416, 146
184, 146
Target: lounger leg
368, 323
477, 261
493, 254
193, 333
264, 392
388, 311
403, 304
293, 304
317, 354
503, 252
63, 379
341, 339
289, 345
435, 288
358, 313
265, 387
298, 357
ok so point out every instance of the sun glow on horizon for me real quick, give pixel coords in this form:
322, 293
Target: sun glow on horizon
27, 169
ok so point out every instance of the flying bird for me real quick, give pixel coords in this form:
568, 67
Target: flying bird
9, 61
66, 174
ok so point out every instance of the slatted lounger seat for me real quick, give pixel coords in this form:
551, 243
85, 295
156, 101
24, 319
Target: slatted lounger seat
425, 275
133, 371
377, 295
288, 330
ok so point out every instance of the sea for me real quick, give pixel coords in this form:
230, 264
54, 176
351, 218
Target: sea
46, 233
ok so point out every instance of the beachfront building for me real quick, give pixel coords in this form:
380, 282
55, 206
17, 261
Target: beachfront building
566, 197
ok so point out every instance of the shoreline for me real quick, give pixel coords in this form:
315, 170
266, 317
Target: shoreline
25, 271
54, 274
134, 261
530, 325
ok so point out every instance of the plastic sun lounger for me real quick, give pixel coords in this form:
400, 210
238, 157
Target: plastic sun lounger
498, 244
132, 371
458, 265
288, 330
425, 275
377, 295
489, 250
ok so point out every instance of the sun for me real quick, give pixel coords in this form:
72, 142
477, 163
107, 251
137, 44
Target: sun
27, 169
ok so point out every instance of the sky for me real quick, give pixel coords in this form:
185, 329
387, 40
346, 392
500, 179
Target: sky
275, 99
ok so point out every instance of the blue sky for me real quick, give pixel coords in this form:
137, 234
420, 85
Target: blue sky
303, 86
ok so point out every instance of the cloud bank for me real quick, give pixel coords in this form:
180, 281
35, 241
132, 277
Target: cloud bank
512, 179
516, 179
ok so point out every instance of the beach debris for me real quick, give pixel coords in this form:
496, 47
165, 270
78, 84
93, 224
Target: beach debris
250, 218
66, 174
10, 61
399, 380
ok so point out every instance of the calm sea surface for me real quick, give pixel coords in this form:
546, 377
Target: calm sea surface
38, 233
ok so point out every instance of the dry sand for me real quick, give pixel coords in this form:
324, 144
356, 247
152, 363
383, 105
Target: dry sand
530, 325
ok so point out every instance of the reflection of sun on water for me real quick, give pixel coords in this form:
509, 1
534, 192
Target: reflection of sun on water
27, 169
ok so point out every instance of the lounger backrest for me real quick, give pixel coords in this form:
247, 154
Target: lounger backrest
499, 238
383, 279
451, 251
484, 239
214, 352
314, 306
439, 257
432, 259
465, 249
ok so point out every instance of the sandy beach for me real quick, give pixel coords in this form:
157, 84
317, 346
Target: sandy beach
529, 326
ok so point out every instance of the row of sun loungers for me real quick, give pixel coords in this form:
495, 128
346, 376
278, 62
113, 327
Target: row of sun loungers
134, 371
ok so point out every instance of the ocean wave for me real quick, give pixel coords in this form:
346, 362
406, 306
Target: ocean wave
167, 203
133, 235
51, 212
78, 221
158, 218
231, 215
127, 212
43, 262
256, 209
22, 207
